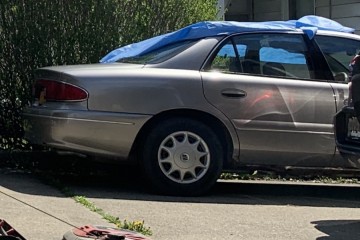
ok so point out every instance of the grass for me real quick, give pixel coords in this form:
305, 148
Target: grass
137, 226
272, 176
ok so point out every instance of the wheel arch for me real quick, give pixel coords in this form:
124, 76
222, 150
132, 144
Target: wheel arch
213, 122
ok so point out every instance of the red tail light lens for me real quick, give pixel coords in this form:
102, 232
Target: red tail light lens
59, 91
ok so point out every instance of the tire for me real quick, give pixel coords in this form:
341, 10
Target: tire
182, 157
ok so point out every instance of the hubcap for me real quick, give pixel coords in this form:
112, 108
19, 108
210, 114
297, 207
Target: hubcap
184, 157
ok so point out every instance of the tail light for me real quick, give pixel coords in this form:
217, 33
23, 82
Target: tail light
49, 90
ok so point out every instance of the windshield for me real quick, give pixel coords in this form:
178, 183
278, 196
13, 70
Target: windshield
160, 54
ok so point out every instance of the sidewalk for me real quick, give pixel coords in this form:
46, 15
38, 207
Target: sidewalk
234, 210
32, 223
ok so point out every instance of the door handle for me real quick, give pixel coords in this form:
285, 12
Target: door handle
233, 93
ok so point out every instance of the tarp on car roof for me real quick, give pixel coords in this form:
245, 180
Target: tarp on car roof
308, 24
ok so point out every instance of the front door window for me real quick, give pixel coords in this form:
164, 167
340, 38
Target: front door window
271, 54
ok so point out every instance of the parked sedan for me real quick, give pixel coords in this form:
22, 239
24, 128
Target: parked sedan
190, 107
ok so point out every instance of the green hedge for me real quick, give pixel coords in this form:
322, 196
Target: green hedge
37, 33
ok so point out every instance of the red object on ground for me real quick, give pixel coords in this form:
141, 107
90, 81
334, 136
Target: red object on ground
8, 232
102, 233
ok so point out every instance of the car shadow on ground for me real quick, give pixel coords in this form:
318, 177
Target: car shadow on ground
109, 181
338, 229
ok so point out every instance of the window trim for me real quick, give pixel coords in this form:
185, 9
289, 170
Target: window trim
314, 57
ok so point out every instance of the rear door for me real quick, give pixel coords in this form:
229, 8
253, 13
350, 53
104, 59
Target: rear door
267, 85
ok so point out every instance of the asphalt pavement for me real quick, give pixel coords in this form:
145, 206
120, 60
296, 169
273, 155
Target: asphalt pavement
233, 210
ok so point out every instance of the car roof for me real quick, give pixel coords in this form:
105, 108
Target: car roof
338, 34
308, 24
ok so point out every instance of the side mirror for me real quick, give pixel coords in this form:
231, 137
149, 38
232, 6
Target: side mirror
341, 77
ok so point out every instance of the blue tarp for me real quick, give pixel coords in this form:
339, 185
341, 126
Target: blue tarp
308, 24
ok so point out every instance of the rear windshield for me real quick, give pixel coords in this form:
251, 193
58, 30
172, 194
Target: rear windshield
160, 54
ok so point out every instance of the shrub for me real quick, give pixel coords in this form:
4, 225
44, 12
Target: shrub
37, 33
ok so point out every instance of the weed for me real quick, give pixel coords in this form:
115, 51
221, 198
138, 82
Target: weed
272, 176
137, 226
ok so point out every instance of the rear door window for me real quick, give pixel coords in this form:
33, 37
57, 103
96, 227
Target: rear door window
267, 54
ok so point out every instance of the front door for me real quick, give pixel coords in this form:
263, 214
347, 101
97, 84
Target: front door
338, 52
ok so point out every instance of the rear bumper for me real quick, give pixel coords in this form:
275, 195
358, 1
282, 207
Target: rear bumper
82, 131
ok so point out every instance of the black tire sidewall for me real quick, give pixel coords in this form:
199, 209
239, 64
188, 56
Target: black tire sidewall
163, 184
